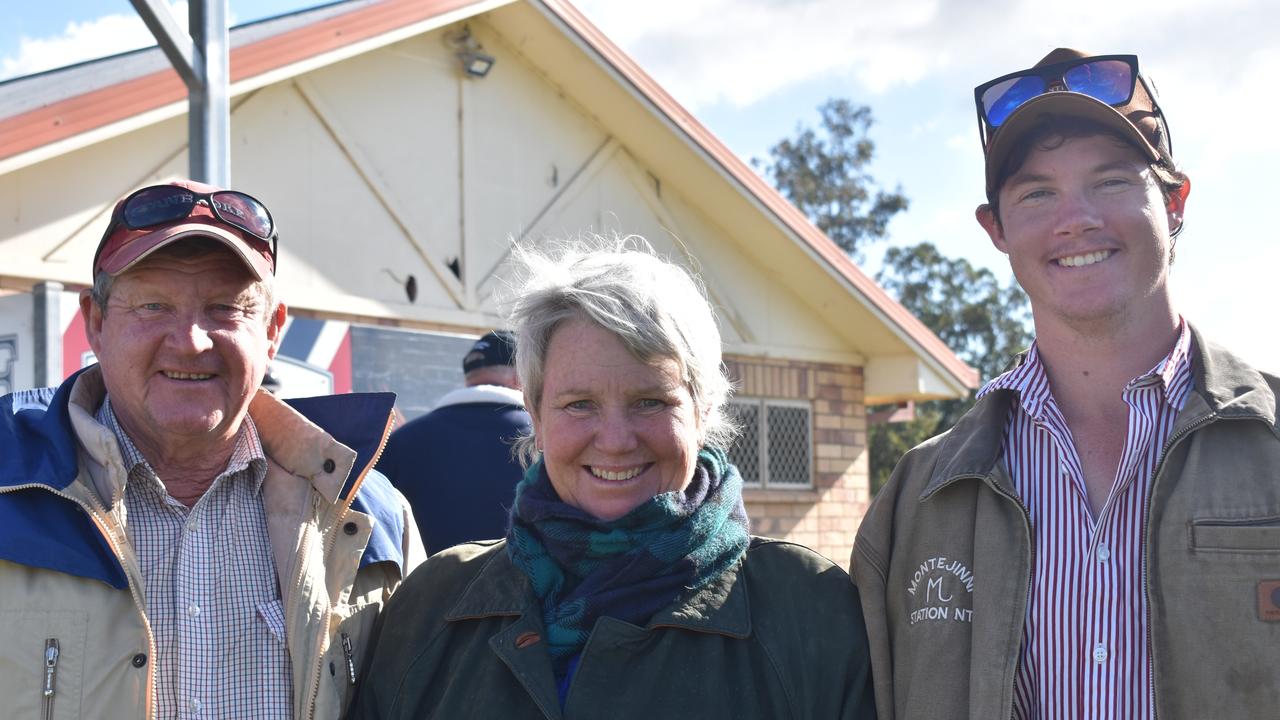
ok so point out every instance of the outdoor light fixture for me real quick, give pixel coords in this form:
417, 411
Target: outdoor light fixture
475, 61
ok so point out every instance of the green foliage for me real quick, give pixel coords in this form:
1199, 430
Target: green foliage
982, 320
823, 172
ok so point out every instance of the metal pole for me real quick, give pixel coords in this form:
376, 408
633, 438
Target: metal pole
202, 61
209, 119
47, 333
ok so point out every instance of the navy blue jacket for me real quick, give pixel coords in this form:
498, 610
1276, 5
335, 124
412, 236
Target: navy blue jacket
455, 465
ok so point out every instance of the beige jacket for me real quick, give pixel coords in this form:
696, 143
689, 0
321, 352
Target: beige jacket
104, 667
943, 561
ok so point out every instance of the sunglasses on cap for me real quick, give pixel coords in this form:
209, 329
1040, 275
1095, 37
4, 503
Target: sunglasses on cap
1111, 79
163, 204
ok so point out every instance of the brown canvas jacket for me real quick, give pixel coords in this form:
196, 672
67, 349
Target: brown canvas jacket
943, 561
778, 637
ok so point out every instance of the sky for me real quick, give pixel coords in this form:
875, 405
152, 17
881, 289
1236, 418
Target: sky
753, 71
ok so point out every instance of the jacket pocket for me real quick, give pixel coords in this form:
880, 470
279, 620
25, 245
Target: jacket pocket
42, 663
1250, 535
271, 612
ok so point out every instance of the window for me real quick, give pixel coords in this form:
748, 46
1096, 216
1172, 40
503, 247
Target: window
775, 448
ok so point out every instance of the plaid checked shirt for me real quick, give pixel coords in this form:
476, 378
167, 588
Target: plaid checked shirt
212, 596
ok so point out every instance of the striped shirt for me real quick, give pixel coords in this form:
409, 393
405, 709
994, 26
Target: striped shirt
211, 592
1085, 651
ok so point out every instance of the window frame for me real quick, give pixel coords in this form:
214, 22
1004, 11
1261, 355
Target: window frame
762, 405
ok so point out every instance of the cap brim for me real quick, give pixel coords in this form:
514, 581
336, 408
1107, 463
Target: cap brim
1068, 104
139, 248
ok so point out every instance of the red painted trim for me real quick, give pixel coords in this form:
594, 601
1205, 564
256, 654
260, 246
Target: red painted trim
120, 101
75, 343
341, 365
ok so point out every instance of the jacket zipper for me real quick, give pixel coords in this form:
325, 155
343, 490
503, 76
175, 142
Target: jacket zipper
51, 651
133, 590
1146, 546
350, 657
327, 546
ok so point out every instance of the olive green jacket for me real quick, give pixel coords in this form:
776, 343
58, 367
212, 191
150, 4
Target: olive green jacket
778, 636
944, 555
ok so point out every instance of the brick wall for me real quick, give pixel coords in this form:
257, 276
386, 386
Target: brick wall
826, 516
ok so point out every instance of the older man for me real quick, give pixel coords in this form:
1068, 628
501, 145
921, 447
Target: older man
1099, 537
174, 542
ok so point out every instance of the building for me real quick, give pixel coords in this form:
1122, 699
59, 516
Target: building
402, 145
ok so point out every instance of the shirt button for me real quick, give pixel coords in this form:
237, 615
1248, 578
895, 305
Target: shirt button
194, 704
193, 525
1104, 553
1099, 653
193, 610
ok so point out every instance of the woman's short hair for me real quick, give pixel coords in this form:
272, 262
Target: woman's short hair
656, 308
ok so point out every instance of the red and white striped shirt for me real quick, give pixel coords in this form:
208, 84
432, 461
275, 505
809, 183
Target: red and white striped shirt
1085, 652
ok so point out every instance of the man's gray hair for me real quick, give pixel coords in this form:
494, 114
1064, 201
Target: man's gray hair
656, 308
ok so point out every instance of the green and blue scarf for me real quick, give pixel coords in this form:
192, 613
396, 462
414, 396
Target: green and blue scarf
582, 568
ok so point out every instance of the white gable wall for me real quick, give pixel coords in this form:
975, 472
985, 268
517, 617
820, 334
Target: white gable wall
390, 164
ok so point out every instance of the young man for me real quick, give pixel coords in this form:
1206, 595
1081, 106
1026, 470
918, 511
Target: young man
1100, 535
175, 542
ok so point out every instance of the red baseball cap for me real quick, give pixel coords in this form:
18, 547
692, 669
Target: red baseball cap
122, 247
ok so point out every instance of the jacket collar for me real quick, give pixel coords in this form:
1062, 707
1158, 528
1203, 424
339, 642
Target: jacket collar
1225, 387
501, 589
494, 394
45, 439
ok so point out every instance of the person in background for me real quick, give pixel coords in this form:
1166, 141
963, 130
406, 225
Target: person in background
456, 463
1098, 536
628, 585
174, 540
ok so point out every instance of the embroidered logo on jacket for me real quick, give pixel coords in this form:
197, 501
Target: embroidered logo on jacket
1269, 600
941, 590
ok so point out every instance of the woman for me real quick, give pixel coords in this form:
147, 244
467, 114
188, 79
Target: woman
627, 585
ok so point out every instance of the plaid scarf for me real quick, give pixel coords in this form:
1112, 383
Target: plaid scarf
582, 568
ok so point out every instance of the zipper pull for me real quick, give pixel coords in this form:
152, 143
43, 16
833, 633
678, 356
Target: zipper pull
50, 665
350, 655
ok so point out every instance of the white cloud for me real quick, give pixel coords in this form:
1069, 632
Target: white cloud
82, 41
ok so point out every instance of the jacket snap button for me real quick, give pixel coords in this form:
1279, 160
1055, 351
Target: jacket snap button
524, 640
350, 528
329, 465
139, 660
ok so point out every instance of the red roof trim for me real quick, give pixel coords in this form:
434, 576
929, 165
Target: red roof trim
763, 191
101, 107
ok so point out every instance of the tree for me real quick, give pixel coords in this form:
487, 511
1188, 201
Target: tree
824, 174
985, 322
982, 320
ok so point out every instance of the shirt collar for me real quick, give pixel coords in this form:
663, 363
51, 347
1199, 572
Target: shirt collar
247, 453
1031, 383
